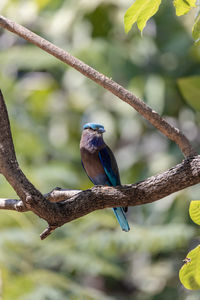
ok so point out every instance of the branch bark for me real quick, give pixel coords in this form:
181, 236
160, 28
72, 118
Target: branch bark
56, 195
31, 198
153, 117
12, 204
74, 204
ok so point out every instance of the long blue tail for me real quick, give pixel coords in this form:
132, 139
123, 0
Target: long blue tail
121, 218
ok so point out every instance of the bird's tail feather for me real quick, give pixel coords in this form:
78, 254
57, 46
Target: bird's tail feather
121, 218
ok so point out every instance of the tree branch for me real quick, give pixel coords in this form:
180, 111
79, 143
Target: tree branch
12, 204
31, 198
153, 117
56, 195
152, 189
61, 206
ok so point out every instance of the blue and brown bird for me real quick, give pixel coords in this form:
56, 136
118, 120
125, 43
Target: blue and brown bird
100, 164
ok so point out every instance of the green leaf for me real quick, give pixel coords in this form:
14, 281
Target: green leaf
196, 30
141, 11
183, 6
189, 274
194, 211
190, 89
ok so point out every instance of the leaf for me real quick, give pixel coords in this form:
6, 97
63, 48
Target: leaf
183, 6
194, 211
196, 30
141, 11
190, 89
189, 274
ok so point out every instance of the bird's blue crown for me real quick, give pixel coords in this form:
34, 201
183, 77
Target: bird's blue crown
94, 126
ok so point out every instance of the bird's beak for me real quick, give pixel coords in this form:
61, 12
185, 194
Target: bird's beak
101, 130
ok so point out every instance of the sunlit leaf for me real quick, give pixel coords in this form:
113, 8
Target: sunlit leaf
190, 89
183, 6
196, 30
194, 211
141, 11
190, 272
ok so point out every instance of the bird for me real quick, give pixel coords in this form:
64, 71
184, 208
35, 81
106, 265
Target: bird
100, 164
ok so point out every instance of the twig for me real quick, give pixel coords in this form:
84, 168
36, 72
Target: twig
56, 195
12, 204
153, 117
47, 232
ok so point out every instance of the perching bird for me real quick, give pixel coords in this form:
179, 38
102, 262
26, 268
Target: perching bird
100, 165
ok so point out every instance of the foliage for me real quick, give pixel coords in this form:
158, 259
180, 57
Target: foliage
183, 6
48, 102
141, 11
190, 272
196, 30
194, 211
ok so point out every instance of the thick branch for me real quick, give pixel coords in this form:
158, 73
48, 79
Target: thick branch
99, 197
153, 117
152, 189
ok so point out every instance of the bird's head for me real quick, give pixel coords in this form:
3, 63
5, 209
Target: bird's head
94, 127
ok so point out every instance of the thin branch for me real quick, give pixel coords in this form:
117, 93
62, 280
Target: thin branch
12, 204
47, 232
56, 195
153, 117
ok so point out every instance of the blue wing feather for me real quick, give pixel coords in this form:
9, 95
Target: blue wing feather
111, 169
110, 165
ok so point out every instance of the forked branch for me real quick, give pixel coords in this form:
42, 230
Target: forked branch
61, 206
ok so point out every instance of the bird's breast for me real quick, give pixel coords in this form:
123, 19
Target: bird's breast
93, 166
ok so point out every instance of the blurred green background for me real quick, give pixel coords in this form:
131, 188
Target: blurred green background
91, 258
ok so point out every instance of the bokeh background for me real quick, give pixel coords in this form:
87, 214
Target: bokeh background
91, 258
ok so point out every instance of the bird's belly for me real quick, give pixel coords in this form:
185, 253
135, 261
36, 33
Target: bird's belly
94, 168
